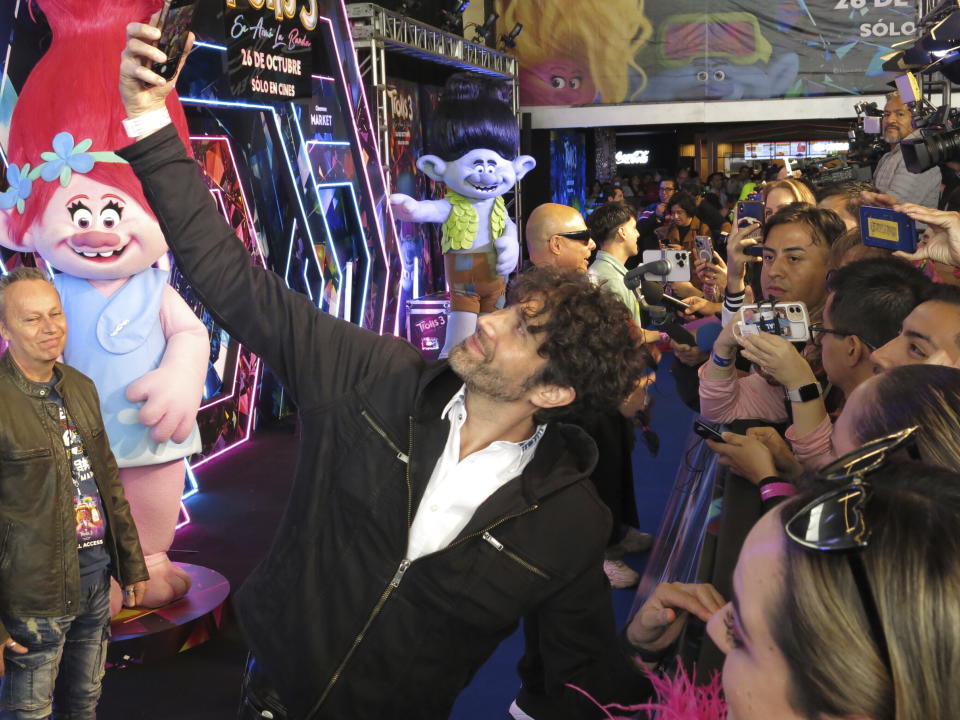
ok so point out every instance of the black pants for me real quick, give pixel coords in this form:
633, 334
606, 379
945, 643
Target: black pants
258, 698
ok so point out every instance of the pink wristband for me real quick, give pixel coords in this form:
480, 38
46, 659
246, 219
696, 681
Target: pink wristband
777, 489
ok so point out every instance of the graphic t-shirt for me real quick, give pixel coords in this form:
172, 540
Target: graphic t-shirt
87, 503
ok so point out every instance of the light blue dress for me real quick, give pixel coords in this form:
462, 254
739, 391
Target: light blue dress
114, 341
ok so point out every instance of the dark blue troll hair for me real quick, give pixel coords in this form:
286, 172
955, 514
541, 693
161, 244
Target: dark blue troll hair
475, 111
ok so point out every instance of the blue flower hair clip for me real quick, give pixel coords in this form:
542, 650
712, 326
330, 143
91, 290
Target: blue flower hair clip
67, 158
20, 187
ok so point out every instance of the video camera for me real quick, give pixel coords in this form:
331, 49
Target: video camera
936, 49
866, 147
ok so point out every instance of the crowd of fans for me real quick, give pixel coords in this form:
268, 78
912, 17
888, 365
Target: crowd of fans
846, 597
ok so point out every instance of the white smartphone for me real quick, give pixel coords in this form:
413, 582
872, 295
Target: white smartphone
680, 264
789, 320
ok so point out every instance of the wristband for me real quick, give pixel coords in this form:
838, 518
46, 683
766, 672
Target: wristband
720, 361
146, 123
776, 489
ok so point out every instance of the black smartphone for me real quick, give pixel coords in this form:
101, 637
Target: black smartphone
709, 430
754, 251
174, 23
750, 209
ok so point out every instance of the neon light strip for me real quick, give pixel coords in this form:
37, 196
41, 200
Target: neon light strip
3, 267
323, 77
356, 133
210, 46
186, 516
191, 482
224, 103
366, 249
416, 278
306, 283
250, 414
326, 226
286, 272
329, 142
296, 193
218, 196
348, 290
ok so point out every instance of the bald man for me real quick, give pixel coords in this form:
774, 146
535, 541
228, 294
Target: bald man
557, 235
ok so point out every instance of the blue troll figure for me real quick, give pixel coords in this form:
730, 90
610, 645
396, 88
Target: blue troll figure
476, 140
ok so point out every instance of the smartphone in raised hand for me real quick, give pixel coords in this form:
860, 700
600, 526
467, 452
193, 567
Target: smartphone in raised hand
174, 23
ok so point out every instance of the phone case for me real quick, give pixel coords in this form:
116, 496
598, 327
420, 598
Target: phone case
680, 265
789, 320
888, 229
704, 245
709, 430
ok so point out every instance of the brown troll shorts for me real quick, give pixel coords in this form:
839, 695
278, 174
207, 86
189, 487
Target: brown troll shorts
474, 284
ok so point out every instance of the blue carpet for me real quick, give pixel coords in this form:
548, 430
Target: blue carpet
496, 683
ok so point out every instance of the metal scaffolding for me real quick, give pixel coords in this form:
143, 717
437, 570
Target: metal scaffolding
377, 32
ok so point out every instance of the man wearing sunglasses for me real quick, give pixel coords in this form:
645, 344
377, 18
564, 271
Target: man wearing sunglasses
557, 235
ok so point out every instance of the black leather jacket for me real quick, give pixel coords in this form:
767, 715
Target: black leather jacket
39, 569
343, 625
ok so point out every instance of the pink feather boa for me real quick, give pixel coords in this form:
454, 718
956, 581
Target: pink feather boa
677, 699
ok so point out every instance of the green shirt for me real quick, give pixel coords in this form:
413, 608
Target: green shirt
609, 272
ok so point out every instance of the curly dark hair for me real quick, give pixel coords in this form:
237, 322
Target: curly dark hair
591, 343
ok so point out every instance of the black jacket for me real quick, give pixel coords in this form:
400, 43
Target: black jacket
341, 623
39, 569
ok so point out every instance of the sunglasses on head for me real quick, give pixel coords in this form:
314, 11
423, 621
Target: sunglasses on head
578, 235
835, 521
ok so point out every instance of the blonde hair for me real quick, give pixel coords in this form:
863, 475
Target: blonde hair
924, 395
799, 190
913, 566
608, 37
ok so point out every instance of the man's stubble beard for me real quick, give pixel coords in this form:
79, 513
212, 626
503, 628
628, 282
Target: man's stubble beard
480, 379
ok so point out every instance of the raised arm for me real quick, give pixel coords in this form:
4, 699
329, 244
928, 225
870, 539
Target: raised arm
317, 357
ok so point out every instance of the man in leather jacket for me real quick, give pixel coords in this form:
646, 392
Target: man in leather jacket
65, 526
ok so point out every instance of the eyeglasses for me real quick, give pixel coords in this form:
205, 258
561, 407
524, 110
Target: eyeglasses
817, 330
836, 522
578, 235
667, 188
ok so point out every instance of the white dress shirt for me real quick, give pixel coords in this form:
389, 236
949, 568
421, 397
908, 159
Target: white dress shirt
458, 487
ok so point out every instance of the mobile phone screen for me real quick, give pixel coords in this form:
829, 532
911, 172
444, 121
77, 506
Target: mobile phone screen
175, 21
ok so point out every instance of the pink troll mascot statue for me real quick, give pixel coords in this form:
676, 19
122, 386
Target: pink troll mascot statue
79, 206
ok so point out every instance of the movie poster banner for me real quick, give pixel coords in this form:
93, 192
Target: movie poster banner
626, 51
269, 53
568, 168
406, 145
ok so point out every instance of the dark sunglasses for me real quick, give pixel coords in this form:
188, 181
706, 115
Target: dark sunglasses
817, 331
835, 521
578, 235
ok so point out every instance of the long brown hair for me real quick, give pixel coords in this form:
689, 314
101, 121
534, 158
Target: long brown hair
913, 564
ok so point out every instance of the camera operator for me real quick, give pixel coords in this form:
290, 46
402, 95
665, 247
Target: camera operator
891, 175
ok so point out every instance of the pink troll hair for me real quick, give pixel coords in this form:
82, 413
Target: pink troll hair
73, 88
